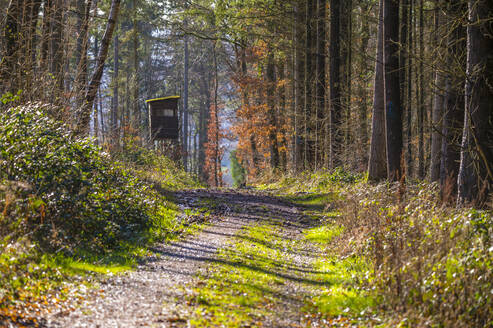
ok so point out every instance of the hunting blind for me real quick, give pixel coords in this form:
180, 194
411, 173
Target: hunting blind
163, 118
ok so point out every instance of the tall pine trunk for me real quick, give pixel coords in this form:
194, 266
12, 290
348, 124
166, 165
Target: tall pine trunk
393, 109
335, 139
453, 107
320, 83
377, 165
438, 95
476, 166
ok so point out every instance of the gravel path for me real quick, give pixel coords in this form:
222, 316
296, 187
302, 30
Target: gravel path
152, 295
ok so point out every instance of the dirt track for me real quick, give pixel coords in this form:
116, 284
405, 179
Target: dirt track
153, 295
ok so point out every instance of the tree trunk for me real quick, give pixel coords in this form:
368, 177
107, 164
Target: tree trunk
409, 95
136, 115
271, 105
335, 139
377, 165
299, 87
476, 168
114, 108
56, 66
83, 9
345, 50
453, 107
421, 90
185, 104
85, 113
436, 136
320, 83
393, 109
282, 115
362, 87
308, 101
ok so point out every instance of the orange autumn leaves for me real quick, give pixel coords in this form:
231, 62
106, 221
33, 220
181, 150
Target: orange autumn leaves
253, 124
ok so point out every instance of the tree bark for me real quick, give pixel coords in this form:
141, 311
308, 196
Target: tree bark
185, 104
453, 115
335, 139
421, 91
393, 109
114, 135
362, 87
409, 95
476, 166
377, 165
299, 87
438, 90
85, 112
271, 105
320, 82
308, 101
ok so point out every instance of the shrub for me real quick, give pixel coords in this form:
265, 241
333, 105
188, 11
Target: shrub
238, 172
431, 262
73, 196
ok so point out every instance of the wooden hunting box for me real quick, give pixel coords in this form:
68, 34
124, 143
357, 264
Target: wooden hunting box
163, 118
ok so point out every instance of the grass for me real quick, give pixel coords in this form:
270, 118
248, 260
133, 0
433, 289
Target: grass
241, 288
323, 234
345, 279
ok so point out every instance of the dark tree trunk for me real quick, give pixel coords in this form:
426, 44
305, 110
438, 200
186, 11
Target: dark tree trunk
453, 106
185, 104
438, 90
299, 87
335, 139
393, 109
420, 96
377, 165
362, 87
409, 95
476, 166
320, 82
345, 51
308, 101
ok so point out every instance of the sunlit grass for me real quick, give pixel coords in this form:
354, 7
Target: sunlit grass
243, 287
323, 234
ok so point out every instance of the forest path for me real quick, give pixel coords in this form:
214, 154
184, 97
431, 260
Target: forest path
248, 267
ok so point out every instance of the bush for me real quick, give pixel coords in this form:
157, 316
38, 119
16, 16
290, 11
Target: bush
238, 172
156, 169
63, 191
431, 262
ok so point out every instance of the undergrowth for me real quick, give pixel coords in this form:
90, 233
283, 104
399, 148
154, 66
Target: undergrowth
67, 207
429, 265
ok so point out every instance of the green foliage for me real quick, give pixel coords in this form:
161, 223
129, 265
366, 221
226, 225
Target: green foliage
238, 172
320, 181
154, 168
75, 196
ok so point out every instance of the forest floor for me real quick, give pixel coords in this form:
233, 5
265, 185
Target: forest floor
260, 261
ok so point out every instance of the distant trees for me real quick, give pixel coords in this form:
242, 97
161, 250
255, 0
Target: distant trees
292, 81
